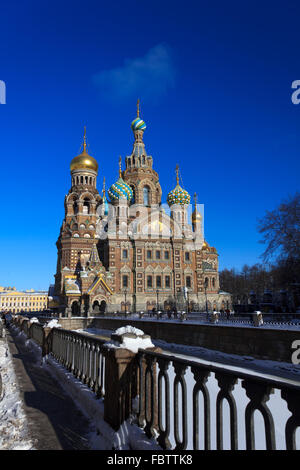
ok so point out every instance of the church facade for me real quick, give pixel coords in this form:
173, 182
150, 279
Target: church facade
125, 250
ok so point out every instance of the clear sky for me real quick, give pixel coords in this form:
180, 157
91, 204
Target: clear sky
214, 80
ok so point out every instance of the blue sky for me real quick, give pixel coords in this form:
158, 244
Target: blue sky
214, 80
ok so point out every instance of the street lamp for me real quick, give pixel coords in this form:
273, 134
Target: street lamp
188, 300
205, 287
157, 299
125, 293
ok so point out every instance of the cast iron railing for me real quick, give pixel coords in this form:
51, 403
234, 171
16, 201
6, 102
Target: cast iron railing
81, 355
156, 407
177, 403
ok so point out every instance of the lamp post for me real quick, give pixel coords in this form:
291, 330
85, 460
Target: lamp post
157, 299
188, 300
125, 293
205, 287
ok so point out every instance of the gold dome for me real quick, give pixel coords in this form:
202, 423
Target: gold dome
196, 216
84, 161
205, 246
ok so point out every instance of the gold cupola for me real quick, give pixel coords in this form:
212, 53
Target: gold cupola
84, 161
196, 216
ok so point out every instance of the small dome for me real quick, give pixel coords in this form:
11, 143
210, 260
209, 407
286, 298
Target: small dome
84, 162
120, 190
178, 196
196, 216
138, 125
205, 246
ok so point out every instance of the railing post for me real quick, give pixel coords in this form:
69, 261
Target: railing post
119, 390
122, 383
46, 345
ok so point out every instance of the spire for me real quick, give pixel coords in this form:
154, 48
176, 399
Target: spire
138, 108
120, 166
103, 188
195, 200
177, 172
84, 139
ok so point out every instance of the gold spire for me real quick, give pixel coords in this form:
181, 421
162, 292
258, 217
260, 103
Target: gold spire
120, 166
196, 215
84, 139
195, 200
138, 108
177, 177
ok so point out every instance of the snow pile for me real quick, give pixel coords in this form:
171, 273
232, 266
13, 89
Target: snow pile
130, 338
129, 329
13, 429
52, 324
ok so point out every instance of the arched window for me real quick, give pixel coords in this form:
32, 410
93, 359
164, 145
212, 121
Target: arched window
133, 197
86, 206
146, 195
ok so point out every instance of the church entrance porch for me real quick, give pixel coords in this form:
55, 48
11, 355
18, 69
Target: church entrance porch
99, 307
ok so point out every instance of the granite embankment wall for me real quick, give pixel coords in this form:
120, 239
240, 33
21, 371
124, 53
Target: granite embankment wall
260, 343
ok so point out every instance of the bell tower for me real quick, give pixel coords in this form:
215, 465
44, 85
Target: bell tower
139, 174
76, 239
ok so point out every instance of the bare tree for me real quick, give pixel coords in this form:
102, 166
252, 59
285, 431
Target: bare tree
281, 230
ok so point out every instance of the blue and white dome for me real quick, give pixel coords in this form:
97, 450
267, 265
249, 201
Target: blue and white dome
138, 125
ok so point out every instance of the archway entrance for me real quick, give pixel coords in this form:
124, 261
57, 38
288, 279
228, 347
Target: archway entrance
103, 306
75, 309
99, 306
96, 307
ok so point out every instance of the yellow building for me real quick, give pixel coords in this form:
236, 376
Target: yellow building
15, 301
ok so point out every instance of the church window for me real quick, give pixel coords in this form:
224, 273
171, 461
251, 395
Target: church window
146, 195
167, 255
213, 282
158, 281
188, 281
187, 256
167, 281
157, 254
81, 179
149, 254
133, 197
149, 281
125, 280
125, 254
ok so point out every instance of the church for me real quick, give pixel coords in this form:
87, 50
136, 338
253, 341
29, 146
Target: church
125, 249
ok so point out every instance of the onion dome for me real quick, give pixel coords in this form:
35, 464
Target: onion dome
138, 124
84, 161
120, 189
178, 195
196, 216
205, 246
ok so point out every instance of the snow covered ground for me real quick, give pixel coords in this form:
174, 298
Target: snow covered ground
13, 430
